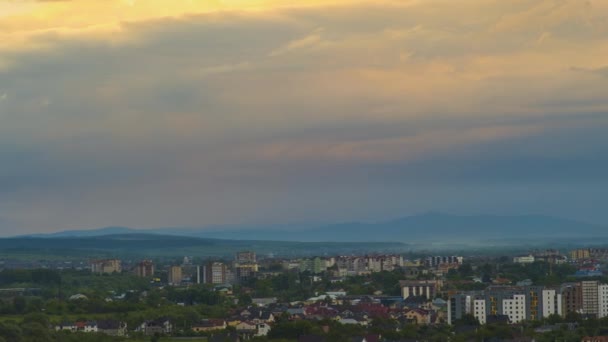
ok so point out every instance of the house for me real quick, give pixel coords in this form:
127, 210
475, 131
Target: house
65, 326
87, 327
209, 325
257, 315
160, 326
112, 328
418, 316
251, 329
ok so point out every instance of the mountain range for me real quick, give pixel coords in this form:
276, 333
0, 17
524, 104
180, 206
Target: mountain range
424, 228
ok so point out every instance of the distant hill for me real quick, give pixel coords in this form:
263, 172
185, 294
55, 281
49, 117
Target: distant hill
426, 228
156, 245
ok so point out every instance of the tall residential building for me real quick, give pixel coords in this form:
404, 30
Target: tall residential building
144, 269
245, 266
467, 304
106, 266
515, 308
246, 257
534, 302
215, 273
602, 300
512, 301
479, 310
244, 272
552, 302
590, 300
458, 306
174, 276
314, 265
572, 298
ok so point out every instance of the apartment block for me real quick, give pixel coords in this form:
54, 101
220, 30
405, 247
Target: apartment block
106, 266
590, 297
602, 300
144, 269
215, 273
551, 303
174, 276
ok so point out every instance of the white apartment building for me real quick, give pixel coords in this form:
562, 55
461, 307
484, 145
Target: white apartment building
552, 303
479, 310
515, 308
603, 300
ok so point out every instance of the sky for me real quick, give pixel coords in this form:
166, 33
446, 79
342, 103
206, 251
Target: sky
166, 113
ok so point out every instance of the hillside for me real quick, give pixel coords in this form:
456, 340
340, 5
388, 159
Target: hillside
155, 245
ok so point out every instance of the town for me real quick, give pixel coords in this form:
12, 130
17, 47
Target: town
534, 297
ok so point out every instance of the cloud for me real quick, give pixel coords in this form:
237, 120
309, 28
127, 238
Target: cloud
310, 41
205, 114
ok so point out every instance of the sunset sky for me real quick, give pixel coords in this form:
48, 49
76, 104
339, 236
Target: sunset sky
163, 113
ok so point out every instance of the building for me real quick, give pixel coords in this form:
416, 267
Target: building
161, 326
244, 272
245, 266
603, 300
551, 302
572, 298
420, 288
534, 302
246, 257
479, 310
314, 265
578, 254
106, 266
517, 303
515, 308
209, 325
472, 303
112, 328
215, 273
144, 269
352, 265
434, 261
174, 276
379, 263
524, 259
590, 297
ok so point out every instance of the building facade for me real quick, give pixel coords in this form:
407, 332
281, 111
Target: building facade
144, 269
106, 266
420, 288
215, 273
174, 276
603, 300
590, 297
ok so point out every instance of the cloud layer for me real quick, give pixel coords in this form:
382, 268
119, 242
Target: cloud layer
164, 113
